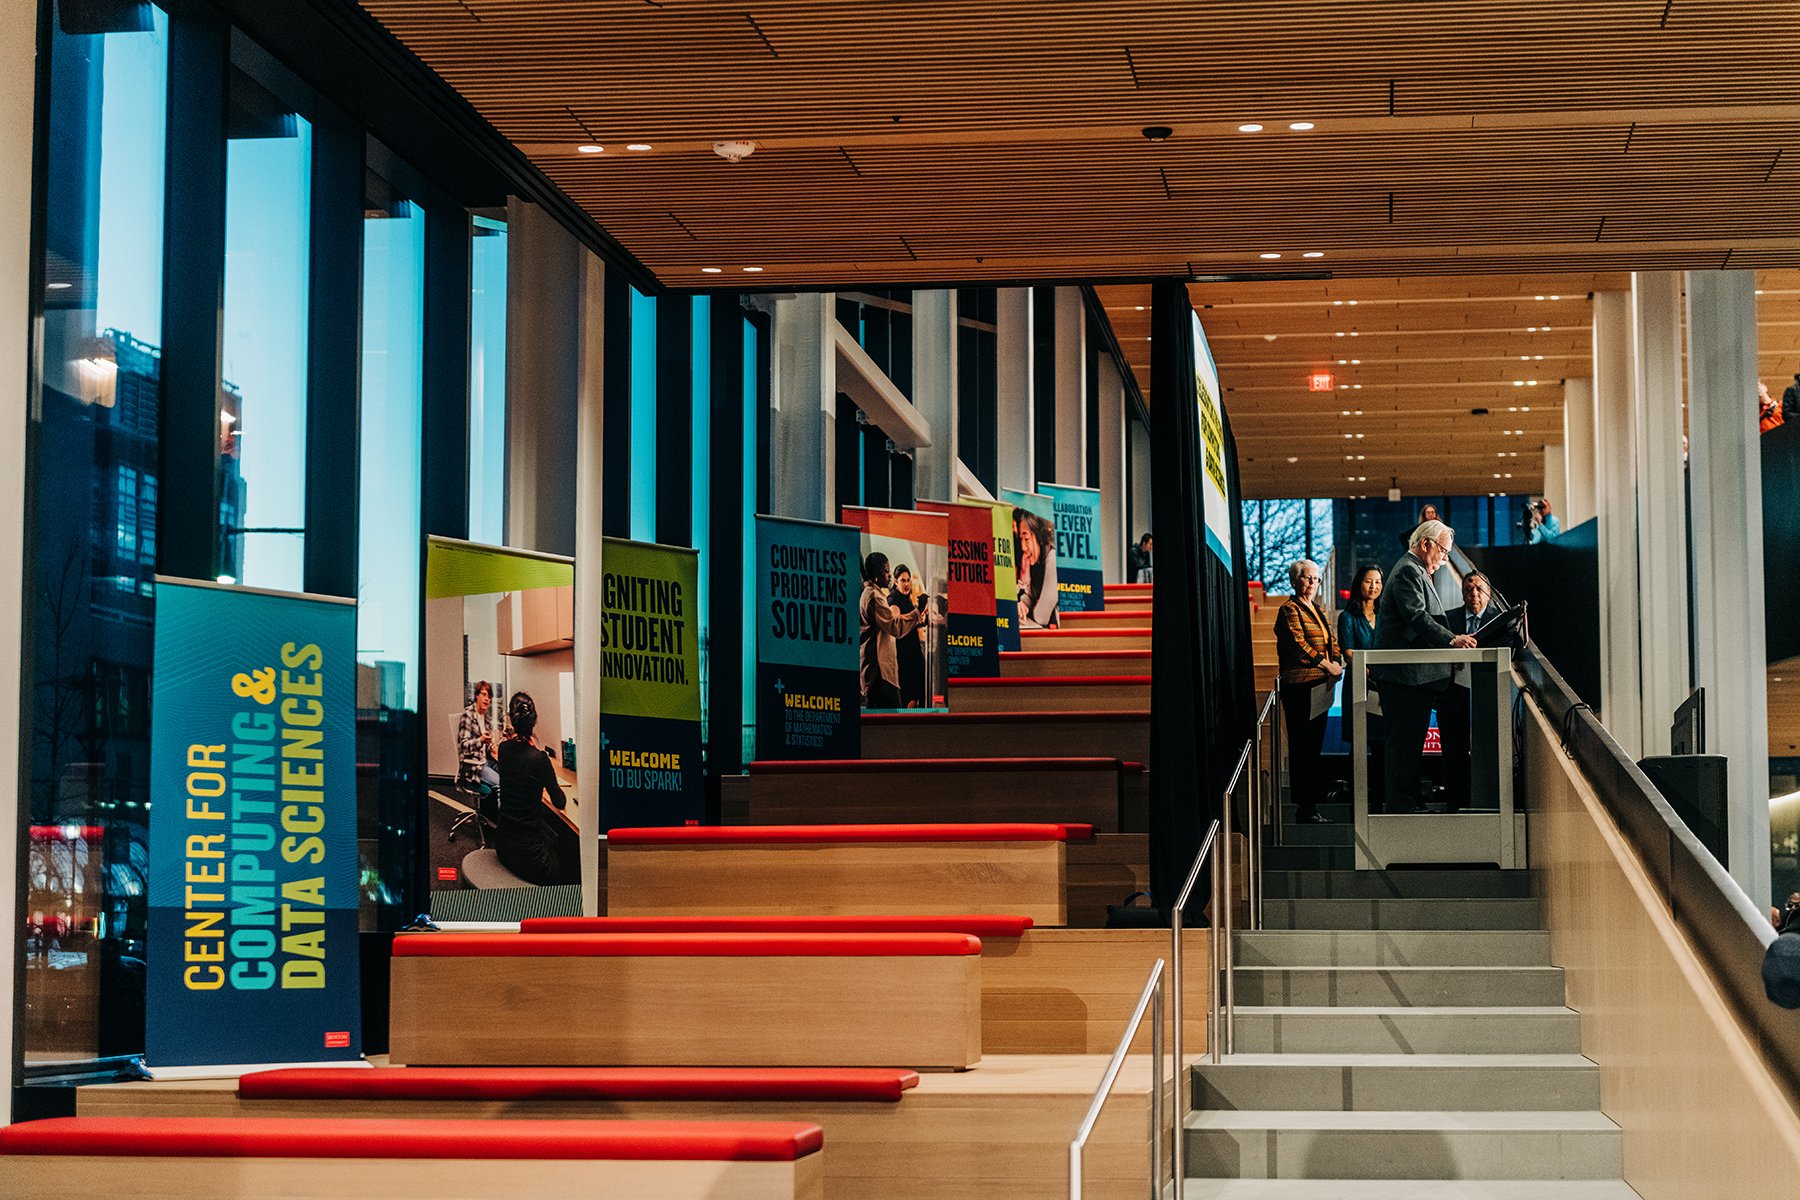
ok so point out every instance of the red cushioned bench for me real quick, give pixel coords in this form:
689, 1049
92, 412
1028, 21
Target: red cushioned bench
686, 999
979, 925
855, 791
829, 870
101, 1158
1051, 693
1090, 734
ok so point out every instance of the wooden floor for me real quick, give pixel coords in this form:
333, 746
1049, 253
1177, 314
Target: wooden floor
998, 1132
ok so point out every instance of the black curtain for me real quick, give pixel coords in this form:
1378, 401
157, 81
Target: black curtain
1200, 692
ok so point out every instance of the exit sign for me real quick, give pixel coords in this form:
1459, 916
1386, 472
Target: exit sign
1320, 382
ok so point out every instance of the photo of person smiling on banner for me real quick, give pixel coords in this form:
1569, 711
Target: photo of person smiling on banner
1035, 553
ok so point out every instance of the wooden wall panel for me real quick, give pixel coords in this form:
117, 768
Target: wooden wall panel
1701, 1115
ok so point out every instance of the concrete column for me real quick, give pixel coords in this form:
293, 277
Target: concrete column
1138, 441
1071, 388
1112, 470
590, 446
803, 420
934, 392
18, 48
1661, 502
543, 304
1578, 452
1556, 479
1725, 465
1013, 400
1616, 505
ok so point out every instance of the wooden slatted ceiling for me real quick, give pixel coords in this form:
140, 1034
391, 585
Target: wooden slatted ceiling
947, 140
1410, 357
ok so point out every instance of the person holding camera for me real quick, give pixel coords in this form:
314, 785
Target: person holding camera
1539, 523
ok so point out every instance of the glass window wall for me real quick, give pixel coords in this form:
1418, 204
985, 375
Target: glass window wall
93, 539
262, 411
487, 381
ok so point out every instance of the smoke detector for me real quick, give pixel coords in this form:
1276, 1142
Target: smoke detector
734, 151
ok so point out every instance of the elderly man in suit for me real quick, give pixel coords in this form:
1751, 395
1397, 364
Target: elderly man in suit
1453, 709
1411, 617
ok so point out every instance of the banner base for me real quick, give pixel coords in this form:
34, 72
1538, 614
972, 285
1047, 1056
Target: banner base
234, 1070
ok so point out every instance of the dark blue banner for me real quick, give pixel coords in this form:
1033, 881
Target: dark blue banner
808, 694
1080, 579
253, 946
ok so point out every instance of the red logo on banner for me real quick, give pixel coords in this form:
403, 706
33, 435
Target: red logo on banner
337, 1039
446, 874
1433, 742
1320, 382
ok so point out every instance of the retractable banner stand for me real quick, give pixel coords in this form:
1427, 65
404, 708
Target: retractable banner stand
808, 699
253, 875
971, 648
901, 610
1034, 559
650, 686
499, 626
1006, 578
1215, 508
1080, 581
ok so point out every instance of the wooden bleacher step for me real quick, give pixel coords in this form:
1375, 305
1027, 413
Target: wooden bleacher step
686, 999
101, 1158
1051, 693
1124, 734
1043, 991
1025, 664
1107, 618
697, 870
1084, 639
882, 791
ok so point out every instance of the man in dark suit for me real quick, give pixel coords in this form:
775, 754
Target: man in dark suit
1454, 730
1411, 617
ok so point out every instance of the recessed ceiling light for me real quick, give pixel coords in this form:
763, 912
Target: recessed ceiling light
1357, 386
1518, 383
1348, 436
1293, 458
711, 270
1361, 457
1345, 413
1525, 408
1268, 254
1300, 126
1337, 302
1356, 362
638, 146
590, 149
1340, 333
1359, 437
1496, 476
1509, 474
57, 287
1354, 333
1556, 297
1524, 358
753, 270
1313, 254
1351, 303
1342, 362
1140, 308
1512, 408
1349, 457
1531, 383
1537, 297
1251, 127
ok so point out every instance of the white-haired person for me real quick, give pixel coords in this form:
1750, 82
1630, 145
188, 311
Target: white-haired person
1411, 617
1306, 651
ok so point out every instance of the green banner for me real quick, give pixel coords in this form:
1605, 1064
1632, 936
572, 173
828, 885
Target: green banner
650, 685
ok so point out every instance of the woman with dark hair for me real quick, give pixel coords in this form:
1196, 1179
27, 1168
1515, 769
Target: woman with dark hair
529, 844
1356, 631
1034, 548
909, 648
1356, 623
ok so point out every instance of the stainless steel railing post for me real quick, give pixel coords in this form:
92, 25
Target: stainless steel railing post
1151, 1000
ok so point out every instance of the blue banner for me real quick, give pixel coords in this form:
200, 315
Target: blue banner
808, 693
1080, 581
253, 946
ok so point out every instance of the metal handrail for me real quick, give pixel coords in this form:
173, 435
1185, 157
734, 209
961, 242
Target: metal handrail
1258, 809
1151, 998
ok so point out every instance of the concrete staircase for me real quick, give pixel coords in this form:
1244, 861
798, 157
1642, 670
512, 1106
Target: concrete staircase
1401, 1035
